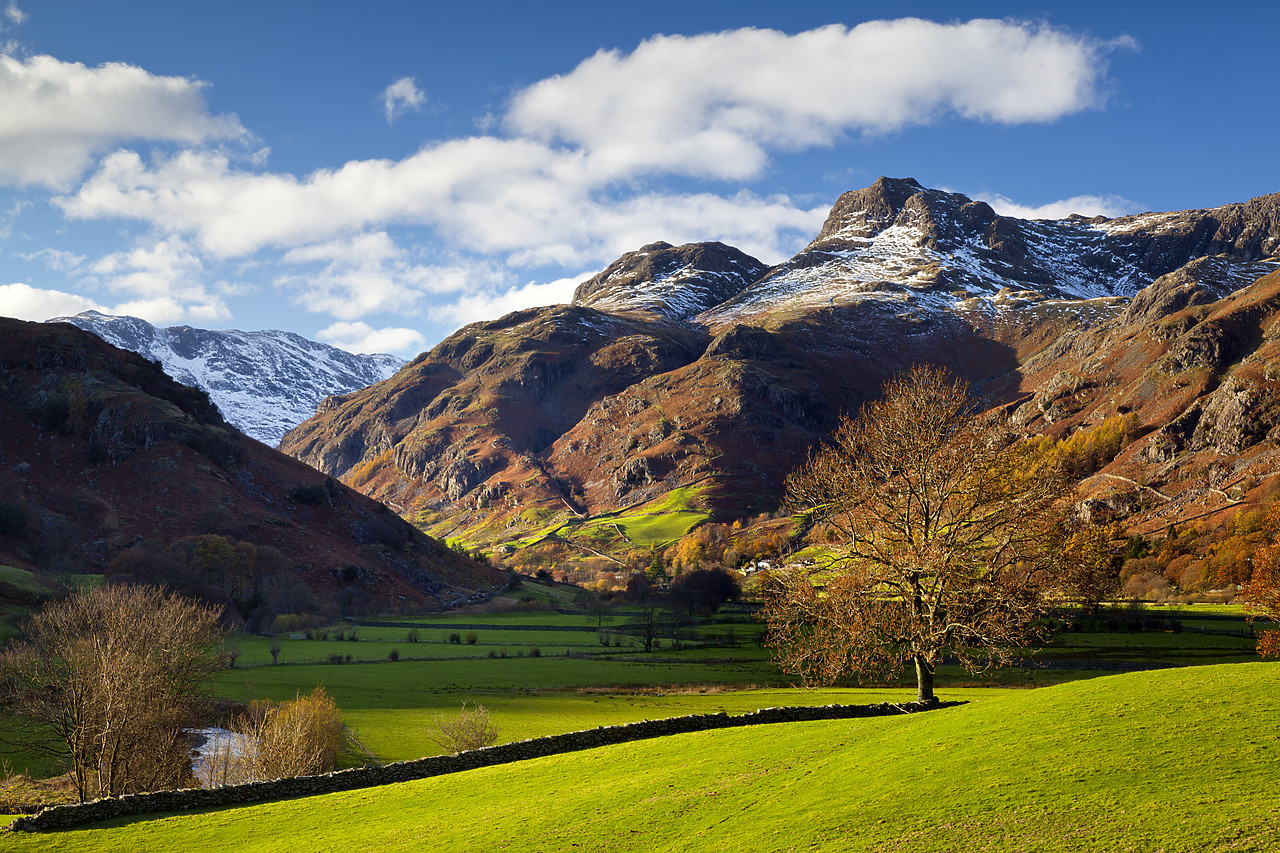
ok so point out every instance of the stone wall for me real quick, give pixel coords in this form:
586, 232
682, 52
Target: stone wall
77, 814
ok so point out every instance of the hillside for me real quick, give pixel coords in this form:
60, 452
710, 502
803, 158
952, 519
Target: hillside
263, 383
1174, 760
647, 397
109, 466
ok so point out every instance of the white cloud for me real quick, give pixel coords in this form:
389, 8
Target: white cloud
487, 304
161, 282
402, 96
58, 115
55, 259
360, 337
369, 274
1085, 205
29, 303
713, 105
15, 15
569, 184
482, 194
564, 189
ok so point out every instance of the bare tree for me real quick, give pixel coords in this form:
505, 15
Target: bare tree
113, 673
471, 729
944, 529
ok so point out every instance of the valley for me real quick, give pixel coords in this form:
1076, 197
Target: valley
686, 427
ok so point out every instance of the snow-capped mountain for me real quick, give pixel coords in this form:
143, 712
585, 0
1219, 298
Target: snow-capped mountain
897, 241
683, 369
264, 383
676, 282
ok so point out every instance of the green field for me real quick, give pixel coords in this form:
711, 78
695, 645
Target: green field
1177, 760
658, 522
576, 683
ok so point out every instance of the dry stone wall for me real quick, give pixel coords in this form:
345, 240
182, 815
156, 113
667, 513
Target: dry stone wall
78, 814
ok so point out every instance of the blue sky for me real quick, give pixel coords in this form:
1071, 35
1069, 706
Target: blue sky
376, 174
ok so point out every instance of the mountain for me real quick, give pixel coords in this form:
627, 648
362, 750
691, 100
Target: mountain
264, 383
109, 466
688, 380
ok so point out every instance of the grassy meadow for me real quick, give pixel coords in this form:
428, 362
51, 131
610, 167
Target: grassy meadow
1012, 760
1175, 760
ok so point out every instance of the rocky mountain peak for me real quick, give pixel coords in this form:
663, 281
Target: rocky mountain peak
868, 211
675, 282
898, 242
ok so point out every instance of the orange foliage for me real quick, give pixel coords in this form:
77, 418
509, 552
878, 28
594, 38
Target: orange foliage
1088, 450
1261, 594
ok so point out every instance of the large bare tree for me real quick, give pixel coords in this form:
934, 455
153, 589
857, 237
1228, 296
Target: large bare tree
113, 673
943, 528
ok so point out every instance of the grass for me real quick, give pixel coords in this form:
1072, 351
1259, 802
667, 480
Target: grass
658, 522
390, 705
1177, 760
22, 581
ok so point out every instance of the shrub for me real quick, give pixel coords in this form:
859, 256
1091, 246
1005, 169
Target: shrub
535, 652
412, 636
471, 729
393, 655
301, 737
455, 639
471, 638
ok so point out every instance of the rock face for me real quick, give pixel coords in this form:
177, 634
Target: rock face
694, 368
927, 248
107, 465
670, 281
264, 383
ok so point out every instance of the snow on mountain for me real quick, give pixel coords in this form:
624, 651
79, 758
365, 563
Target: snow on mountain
264, 383
926, 248
675, 282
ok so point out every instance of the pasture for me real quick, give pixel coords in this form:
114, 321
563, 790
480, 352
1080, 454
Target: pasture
1175, 760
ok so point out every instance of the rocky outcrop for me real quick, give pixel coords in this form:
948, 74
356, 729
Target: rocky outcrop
676, 282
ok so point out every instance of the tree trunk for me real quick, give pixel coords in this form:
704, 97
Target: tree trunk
924, 680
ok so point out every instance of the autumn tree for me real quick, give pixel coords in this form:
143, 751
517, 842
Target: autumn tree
1089, 571
1261, 595
703, 591
113, 673
942, 532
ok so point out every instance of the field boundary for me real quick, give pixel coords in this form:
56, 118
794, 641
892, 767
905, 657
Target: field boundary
79, 814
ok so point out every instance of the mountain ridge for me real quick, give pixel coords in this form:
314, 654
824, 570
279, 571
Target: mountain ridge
718, 406
110, 466
264, 382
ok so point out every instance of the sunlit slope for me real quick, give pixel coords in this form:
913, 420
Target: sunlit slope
1174, 760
